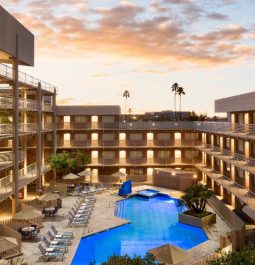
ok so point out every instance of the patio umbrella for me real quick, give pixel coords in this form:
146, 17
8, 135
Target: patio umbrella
7, 243
27, 214
169, 254
119, 176
71, 178
49, 199
86, 173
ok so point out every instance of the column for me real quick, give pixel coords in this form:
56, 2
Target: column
15, 95
39, 137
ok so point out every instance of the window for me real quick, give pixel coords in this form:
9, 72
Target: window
163, 136
240, 145
108, 137
240, 118
136, 171
228, 168
80, 119
163, 154
136, 136
240, 173
136, 154
108, 119
80, 137
108, 154
190, 153
48, 137
190, 136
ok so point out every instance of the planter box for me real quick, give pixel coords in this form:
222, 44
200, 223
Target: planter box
196, 221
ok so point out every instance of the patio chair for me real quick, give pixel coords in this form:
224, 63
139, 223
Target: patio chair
73, 222
55, 247
66, 233
51, 255
60, 240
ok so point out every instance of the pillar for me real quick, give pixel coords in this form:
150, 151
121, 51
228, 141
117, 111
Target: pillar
15, 95
39, 137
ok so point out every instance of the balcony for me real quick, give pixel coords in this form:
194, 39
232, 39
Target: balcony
113, 143
164, 161
73, 126
235, 159
6, 73
47, 126
162, 142
136, 143
6, 130
27, 128
6, 159
25, 177
136, 161
108, 161
47, 107
239, 191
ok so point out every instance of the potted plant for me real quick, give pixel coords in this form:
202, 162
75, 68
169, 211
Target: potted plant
196, 198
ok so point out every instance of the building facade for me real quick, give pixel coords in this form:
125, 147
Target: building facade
32, 128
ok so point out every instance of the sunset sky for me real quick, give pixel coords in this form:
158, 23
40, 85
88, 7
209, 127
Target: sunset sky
94, 50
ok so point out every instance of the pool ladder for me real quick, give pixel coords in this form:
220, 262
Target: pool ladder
119, 210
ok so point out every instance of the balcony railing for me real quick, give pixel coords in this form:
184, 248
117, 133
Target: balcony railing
6, 158
27, 128
108, 161
136, 142
7, 73
47, 107
239, 191
6, 130
164, 161
236, 159
136, 160
108, 143
47, 126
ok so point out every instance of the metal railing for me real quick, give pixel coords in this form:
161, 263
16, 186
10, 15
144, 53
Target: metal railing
233, 158
47, 107
27, 128
7, 73
244, 194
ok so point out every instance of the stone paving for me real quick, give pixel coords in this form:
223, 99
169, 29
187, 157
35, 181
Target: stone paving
103, 218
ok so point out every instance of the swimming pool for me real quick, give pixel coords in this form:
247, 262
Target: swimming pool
148, 193
154, 222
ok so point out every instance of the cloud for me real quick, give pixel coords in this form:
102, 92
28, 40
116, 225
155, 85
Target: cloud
217, 16
65, 101
123, 30
99, 75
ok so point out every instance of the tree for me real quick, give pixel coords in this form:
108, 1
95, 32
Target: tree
148, 259
180, 92
196, 197
246, 256
126, 95
66, 162
174, 88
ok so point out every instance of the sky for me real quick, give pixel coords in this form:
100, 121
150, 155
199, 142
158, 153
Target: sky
95, 50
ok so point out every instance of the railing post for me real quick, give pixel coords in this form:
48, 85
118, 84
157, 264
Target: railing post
39, 136
15, 94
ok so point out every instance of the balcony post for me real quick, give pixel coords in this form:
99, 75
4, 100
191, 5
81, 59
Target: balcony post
39, 137
15, 95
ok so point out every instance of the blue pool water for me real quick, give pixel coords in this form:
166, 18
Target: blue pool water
154, 222
148, 193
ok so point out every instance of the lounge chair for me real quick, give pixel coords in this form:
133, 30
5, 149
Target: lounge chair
48, 244
60, 240
52, 254
66, 233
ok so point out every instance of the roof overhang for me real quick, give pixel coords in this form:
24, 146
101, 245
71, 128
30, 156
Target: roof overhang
10, 31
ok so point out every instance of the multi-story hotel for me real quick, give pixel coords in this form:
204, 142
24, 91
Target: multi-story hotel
32, 128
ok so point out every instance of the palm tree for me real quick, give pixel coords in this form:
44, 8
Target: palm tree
196, 197
126, 95
175, 89
180, 92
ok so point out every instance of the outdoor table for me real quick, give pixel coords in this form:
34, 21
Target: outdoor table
56, 191
28, 229
49, 209
58, 236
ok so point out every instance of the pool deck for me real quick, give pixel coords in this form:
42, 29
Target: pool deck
102, 218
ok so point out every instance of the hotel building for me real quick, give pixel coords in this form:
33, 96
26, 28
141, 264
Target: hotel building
219, 154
